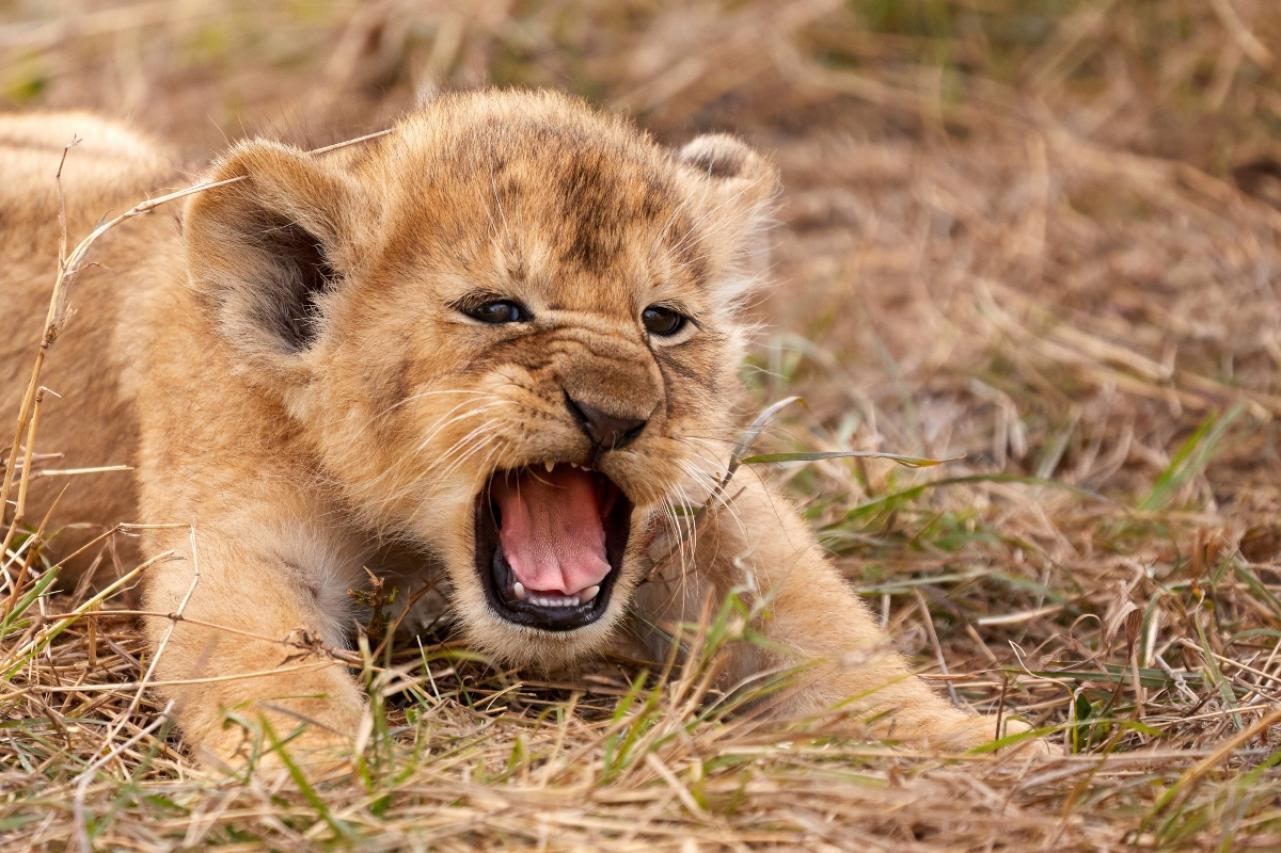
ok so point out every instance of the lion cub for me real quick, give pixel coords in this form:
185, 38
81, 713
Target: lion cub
504, 335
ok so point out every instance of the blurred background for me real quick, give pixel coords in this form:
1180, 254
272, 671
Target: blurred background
1040, 233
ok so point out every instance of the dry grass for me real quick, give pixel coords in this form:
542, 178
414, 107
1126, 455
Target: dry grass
1041, 234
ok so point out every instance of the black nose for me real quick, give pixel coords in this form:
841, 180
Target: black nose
607, 432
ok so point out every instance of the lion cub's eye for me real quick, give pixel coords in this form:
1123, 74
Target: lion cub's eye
663, 321
498, 311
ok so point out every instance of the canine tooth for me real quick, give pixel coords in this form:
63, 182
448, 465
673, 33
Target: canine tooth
589, 593
518, 590
549, 465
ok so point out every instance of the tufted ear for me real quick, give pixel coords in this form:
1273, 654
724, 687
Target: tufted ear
731, 188
264, 252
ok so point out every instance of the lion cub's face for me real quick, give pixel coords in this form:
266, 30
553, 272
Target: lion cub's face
508, 332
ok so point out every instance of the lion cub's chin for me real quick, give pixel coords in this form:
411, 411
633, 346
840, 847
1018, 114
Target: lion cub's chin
536, 649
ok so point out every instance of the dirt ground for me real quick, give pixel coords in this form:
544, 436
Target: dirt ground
1044, 236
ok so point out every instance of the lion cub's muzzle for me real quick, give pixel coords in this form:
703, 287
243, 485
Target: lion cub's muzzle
549, 544
604, 430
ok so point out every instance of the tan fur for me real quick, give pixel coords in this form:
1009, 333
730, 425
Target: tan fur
293, 447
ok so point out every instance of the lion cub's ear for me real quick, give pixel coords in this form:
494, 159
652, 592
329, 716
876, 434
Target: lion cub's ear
264, 252
731, 188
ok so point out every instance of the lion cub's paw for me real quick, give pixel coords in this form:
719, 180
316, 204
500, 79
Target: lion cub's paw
974, 730
316, 751
985, 731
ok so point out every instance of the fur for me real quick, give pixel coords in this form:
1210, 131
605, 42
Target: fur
289, 372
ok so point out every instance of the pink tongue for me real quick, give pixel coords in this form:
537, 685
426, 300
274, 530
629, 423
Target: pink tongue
551, 530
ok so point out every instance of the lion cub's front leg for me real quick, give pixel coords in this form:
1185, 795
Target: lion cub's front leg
811, 618
255, 614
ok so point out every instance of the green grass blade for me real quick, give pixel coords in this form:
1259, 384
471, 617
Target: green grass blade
1190, 459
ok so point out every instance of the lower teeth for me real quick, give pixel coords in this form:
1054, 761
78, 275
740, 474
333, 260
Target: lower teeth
519, 593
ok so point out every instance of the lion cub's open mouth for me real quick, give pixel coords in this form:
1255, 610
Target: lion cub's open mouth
549, 542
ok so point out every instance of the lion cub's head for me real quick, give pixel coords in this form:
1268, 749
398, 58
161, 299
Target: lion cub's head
508, 331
